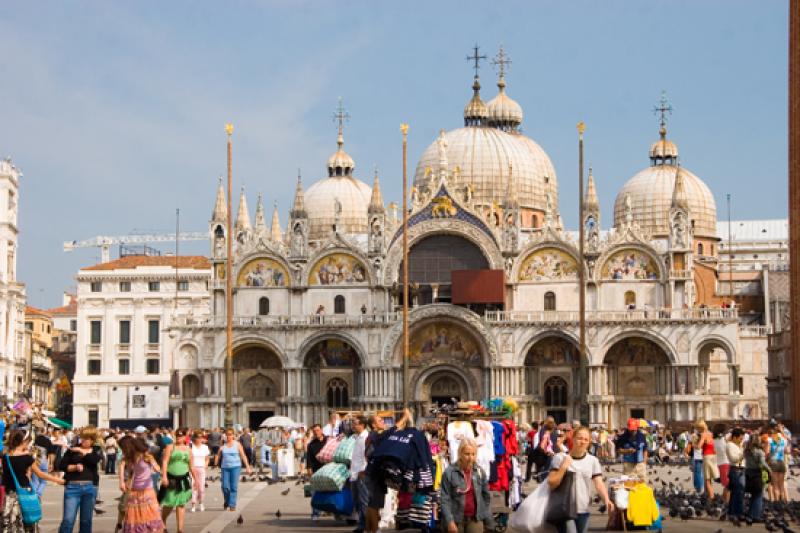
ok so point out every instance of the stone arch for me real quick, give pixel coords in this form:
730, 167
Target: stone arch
451, 226
304, 350
248, 340
715, 341
259, 388
636, 350
248, 262
662, 342
187, 354
465, 318
611, 252
191, 387
357, 256
432, 372
519, 358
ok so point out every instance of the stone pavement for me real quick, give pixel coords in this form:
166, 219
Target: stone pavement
259, 502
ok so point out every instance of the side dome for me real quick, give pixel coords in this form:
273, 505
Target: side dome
321, 205
651, 193
504, 112
482, 156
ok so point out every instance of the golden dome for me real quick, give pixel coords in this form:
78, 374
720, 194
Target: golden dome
651, 192
481, 156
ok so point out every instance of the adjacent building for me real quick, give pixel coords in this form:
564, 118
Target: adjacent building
38, 365
65, 337
124, 354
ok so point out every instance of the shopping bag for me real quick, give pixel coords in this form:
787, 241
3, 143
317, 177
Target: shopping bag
330, 478
336, 502
344, 451
562, 504
529, 516
325, 455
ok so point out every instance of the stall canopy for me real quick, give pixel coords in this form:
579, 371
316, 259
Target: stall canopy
60, 423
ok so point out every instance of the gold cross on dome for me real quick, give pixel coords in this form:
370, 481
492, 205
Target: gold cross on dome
341, 116
476, 58
663, 108
501, 61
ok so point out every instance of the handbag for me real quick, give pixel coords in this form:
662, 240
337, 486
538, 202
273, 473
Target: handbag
29, 504
562, 504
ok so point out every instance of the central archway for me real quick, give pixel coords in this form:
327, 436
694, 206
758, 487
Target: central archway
552, 378
257, 378
331, 378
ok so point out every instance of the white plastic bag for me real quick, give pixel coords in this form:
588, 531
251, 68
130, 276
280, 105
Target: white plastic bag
529, 516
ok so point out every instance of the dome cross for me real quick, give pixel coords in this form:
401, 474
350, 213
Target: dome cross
341, 116
501, 61
476, 57
663, 109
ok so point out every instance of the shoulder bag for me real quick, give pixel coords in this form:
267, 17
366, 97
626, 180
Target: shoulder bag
562, 504
29, 504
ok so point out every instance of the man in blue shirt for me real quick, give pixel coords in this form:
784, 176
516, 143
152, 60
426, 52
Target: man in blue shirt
632, 444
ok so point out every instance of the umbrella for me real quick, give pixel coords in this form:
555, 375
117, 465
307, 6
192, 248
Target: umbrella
60, 423
277, 422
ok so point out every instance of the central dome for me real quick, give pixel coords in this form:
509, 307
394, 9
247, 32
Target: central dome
481, 156
320, 202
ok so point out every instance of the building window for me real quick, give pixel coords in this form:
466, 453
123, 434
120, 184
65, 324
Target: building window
153, 366
152, 331
93, 367
154, 286
93, 417
183, 285
124, 286
124, 331
29, 326
741, 385
699, 248
338, 305
95, 333
549, 301
555, 392
630, 300
124, 366
73, 325
337, 393
96, 286
263, 306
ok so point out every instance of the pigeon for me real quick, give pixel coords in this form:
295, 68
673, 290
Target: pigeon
278, 514
602, 509
99, 511
240, 520
285, 492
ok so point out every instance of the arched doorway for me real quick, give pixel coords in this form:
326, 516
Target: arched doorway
552, 377
331, 376
638, 378
431, 261
719, 378
257, 375
190, 390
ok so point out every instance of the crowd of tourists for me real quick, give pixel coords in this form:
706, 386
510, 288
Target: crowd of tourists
394, 471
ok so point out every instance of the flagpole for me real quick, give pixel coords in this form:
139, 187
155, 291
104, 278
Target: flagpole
229, 292
584, 388
404, 131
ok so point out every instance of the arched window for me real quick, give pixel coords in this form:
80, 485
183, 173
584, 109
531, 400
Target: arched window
338, 305
555, 392
337, 395
699, 248
263, 305
630, 299
534, 222
219, 232
549, 301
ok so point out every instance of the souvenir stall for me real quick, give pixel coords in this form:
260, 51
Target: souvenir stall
635, 504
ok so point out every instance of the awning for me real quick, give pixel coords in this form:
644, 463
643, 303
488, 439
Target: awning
59, 423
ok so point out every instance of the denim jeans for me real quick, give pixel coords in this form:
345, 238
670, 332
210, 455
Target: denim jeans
360, 491
78, 496
697, 471
230, 485
111, 463
756, 505
736, 486
579, 525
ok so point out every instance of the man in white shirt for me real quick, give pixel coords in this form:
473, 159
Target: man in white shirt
358, 465
331, 429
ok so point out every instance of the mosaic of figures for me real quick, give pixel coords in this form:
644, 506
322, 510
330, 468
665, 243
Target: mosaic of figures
443, 341
636, 351
548, 264
630, 265
263, 272
338, 269
332, 353
255, 357
552, 351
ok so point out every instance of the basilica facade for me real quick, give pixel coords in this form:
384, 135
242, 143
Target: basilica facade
494, 293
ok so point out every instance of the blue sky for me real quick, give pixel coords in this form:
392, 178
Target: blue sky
114, 111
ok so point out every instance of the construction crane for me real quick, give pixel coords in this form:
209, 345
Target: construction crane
104, 243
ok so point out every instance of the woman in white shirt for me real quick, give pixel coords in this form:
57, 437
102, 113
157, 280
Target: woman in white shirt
199, 463
587, 471
720, 449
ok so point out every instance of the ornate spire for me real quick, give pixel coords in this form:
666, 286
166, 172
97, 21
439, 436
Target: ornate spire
442, 146
243, 216
275, 231
679, 197
663, 151
376, 200
340, 163
220, 209
504, 112
475, 112
299, 205
261, 223
511, 200
663, 109
590, 201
